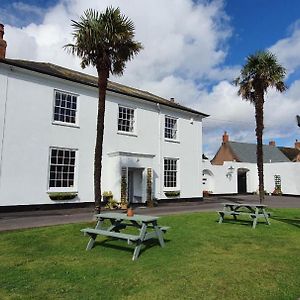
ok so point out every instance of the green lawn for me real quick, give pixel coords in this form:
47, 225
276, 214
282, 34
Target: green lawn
202, 260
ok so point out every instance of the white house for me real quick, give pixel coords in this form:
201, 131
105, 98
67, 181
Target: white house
48, 129
233, 170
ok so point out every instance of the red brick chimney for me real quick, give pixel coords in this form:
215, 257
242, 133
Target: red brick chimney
2, 42
297, 145
225, 137
272, 143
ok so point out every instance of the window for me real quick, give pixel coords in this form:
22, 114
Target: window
62, 168
170, 172
126, 119
170, 128
65, 107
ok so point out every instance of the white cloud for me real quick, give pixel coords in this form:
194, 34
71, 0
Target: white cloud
185, 44
287, 50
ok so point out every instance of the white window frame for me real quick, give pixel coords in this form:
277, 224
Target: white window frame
55, 106
133, 121
176, 186
71, 188
174, 131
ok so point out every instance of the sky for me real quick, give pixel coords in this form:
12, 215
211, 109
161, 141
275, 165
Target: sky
193, 50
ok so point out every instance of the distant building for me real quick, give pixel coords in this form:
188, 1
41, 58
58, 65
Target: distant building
246, 152
293, 154
233, 170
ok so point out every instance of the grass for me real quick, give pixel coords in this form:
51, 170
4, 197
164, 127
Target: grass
201, 260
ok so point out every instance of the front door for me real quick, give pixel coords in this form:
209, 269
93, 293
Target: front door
242, 181
135, 185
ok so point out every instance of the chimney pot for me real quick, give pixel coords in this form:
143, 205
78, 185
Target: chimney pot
272, 143
172, 99
225, 137
297, 145
2, 42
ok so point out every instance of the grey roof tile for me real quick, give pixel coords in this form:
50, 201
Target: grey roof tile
246, 152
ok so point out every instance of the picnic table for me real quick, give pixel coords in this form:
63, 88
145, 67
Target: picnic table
147, 229
254, 210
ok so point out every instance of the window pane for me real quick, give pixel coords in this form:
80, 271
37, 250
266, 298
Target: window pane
170, 172
64, 107
62, 168
126, 119
170, 128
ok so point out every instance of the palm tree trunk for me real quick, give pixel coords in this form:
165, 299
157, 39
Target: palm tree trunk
259, 117
102, 85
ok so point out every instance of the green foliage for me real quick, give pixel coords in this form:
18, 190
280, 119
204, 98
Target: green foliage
202, 260
261, 72
62, 195
124, 200
104, 40
112, 204
172, 193
107, 194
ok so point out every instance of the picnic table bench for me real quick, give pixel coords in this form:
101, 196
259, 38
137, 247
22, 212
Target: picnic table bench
254, 210
146, 225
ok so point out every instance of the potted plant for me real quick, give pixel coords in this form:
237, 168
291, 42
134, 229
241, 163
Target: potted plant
277, 191
107, 196
207, 193
112, 204
130, 211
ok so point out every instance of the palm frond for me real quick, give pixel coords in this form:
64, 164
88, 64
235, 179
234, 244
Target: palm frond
104, 40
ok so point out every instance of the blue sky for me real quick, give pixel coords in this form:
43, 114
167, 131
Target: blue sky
192, 51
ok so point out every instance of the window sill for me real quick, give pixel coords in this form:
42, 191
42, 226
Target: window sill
172, 141
173, 189
127, 133
65, 124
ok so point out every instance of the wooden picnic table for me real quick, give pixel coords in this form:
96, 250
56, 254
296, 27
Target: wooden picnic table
147, 229
253, 210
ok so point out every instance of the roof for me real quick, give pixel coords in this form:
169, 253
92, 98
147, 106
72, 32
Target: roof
78, 77
246, 152
290, 153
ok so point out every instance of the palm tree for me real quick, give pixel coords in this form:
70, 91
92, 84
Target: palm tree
105, 41
261, 72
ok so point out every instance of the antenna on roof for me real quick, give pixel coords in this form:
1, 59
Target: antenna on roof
298, 120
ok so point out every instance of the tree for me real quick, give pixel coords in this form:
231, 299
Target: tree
105, 41
261, 72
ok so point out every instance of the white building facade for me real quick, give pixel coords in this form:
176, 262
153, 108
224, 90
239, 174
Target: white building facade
48, 130
232, 176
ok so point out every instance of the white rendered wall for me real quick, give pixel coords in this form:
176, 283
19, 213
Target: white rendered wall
30, 132
222, 184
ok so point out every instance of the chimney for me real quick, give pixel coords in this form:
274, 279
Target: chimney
172, 99
272, 143
225, 137
2, 42
297, 145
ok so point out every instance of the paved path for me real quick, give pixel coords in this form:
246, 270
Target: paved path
38, 218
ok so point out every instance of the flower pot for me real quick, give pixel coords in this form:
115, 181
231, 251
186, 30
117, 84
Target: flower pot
130, 212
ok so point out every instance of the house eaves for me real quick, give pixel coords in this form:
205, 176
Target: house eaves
78, 77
